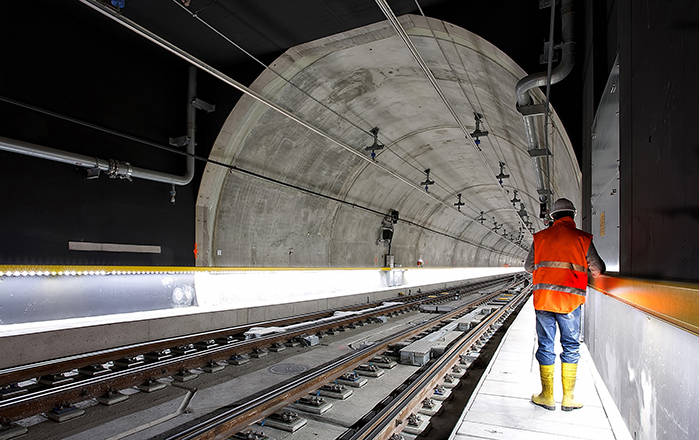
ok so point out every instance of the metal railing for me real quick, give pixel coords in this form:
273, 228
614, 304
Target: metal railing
672, 302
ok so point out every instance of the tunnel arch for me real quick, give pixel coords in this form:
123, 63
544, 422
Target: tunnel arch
330, 204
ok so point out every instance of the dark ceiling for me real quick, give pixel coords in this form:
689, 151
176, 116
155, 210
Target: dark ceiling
61, 56
265, 29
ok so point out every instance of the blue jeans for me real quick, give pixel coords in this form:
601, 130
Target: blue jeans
546, 333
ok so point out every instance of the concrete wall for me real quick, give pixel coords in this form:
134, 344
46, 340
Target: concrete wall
360, 79
649, 367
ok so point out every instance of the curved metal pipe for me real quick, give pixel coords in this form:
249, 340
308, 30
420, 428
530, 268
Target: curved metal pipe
116, 168
191, 125
540, 79
564, 67
123, 169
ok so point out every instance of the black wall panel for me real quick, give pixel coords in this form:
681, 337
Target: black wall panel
62, 58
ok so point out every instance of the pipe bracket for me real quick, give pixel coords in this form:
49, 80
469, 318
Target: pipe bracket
532, 109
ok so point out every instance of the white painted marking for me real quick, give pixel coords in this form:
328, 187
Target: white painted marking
112, 247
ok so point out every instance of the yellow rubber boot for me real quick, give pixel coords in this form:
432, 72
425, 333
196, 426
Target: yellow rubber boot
545, 399
568, 375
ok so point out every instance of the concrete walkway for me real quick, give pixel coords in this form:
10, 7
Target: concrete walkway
501, 409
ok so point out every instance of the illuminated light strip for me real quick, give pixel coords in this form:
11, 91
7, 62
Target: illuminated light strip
49, 270
32, 271
674, 303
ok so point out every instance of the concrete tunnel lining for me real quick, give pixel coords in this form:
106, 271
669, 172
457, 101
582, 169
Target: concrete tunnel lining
251, 222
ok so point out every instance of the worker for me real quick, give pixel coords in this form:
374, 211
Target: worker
560, 258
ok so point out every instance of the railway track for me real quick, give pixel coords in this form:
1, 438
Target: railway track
394, 410
388, 419
32, 389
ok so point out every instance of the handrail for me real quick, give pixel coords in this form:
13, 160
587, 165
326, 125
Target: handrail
673, 302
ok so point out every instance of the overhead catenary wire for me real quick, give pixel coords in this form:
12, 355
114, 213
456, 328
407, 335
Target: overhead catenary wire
463, 91
96, 5
90, 125
449, 191
388, 12
387, 143
159, 41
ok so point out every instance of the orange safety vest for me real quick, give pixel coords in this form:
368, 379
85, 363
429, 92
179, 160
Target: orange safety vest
560, 267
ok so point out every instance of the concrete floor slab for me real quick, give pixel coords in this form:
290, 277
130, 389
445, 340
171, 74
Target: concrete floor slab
314, 430
347, 412
502, 407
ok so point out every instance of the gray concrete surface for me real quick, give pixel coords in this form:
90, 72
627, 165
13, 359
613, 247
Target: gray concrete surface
369, 77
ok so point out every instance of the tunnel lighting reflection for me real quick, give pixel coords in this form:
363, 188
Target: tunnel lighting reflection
81, 273
53, 273
38, 297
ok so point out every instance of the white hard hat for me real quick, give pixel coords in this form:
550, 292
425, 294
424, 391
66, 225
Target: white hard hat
561, 205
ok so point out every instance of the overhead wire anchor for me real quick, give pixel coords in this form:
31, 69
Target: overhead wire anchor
376, 145
459, 204
515, 200
502, 174
496, 226
427, 181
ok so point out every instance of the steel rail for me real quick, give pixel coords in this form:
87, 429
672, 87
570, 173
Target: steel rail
242, 414
389, 420
35, 401
67, 363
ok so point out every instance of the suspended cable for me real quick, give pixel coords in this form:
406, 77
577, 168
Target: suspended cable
85, 124
388, 148
159, 41
549, 64
232, 168
386, 9
308, 95
278, 74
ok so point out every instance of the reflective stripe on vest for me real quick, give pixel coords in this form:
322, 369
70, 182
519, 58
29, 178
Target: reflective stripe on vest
559, 288
561, 265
